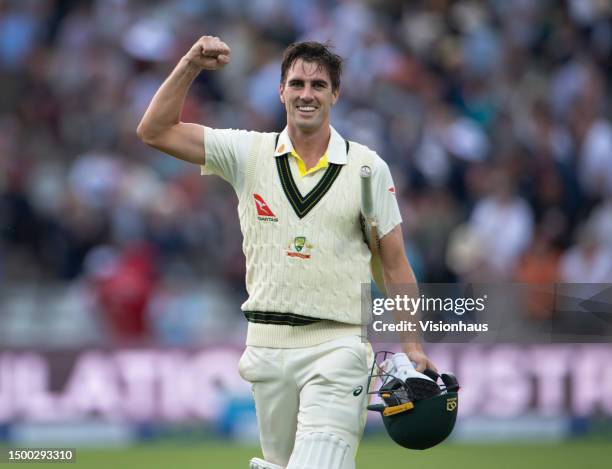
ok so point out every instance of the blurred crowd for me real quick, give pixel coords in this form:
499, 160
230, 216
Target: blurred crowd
493, 115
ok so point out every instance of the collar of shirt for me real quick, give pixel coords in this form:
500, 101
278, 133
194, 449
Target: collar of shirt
321, 164
335, 153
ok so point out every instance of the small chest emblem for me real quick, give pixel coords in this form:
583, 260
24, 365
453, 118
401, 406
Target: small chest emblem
299, 248
299, 242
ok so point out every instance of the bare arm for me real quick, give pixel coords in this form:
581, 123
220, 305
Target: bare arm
400, 280
161, 127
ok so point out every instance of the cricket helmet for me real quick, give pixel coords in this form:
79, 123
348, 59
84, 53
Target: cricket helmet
417, 411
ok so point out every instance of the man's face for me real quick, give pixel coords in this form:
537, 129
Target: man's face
307, 96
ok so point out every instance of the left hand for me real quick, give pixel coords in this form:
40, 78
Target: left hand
421, 361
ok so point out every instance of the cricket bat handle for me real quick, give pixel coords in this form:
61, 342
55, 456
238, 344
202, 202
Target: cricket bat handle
367, 205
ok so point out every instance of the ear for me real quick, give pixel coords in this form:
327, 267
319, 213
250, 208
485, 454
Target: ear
281, 89
335, 96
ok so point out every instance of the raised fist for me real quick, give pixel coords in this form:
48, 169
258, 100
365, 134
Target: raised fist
209, 53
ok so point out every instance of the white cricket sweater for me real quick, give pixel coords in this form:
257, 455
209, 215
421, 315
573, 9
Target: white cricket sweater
312, 264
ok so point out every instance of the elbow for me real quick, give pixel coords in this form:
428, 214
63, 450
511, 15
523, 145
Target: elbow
145, 135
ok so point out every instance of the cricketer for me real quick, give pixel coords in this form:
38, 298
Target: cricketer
306, 259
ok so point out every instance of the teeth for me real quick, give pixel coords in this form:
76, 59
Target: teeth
306, 108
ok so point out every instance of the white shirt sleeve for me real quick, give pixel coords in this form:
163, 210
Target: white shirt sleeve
386, 208
226, 154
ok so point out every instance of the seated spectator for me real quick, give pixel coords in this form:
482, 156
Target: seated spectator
503, 222
588, 261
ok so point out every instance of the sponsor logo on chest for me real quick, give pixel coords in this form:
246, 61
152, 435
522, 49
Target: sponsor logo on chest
264, 213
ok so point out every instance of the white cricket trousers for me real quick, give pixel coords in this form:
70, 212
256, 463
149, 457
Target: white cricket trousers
310, 397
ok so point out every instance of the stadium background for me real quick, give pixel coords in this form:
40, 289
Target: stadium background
121, 270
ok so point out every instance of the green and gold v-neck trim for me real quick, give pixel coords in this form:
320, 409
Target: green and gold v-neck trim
302, 205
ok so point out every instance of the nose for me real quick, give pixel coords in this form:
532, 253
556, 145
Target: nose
306, 94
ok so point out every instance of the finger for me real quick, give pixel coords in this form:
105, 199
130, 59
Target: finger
223, 48
223, 59
216, 43
214, 51
421, 365
209, 63
209, 51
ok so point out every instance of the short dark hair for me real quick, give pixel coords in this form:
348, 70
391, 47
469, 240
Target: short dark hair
310, 51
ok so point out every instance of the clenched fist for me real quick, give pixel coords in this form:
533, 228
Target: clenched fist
209, 53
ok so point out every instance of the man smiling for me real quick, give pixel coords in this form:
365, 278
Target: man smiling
300, 215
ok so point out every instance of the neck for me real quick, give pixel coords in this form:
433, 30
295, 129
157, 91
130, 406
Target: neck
310, 146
